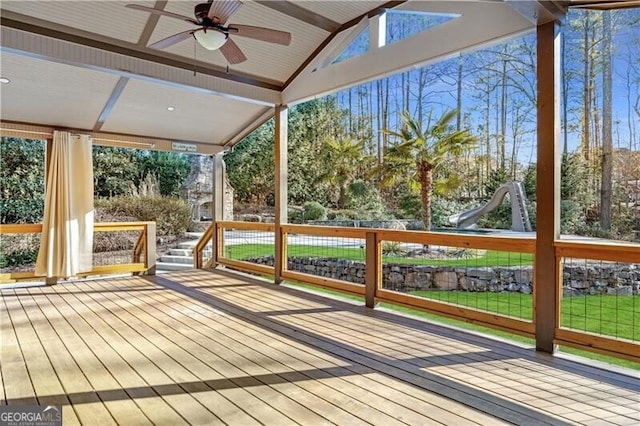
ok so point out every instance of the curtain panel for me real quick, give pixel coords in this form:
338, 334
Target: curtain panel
66, 248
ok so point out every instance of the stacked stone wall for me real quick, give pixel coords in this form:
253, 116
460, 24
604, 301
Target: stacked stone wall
583, 279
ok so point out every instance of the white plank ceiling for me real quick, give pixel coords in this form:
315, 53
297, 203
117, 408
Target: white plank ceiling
86, 64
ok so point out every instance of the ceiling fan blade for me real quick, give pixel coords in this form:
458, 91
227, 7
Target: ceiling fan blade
232, 52
604, 4
161, 12
221, 10
171, 40
260, 33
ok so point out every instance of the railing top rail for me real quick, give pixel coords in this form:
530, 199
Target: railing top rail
525, 244
599, 250
248, 226
33, 228
326, 231
20, 228
120, 226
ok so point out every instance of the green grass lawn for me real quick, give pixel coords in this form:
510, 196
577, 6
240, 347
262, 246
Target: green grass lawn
616, 316
486, 258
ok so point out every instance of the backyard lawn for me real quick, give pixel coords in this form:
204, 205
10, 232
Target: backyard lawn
477, 258
617, 316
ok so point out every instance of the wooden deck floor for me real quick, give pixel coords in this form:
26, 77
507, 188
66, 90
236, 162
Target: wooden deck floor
216, 348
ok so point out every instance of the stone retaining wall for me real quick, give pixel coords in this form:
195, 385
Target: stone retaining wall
600, 278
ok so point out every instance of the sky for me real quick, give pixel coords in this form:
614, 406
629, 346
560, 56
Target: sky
442, 89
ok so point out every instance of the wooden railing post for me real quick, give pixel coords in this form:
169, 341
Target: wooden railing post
281, 117
373, 259
547, 276
218, 206
150, 248
218, 242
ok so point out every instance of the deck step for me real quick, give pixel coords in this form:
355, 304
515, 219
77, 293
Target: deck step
177, 259
168, 266
180, 252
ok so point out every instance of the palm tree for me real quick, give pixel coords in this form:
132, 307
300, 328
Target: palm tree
420, 153
343, 159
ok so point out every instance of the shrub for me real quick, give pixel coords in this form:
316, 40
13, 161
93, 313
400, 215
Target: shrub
18, 250
410, 206
393, 248
313, 210
442, 208
172, 215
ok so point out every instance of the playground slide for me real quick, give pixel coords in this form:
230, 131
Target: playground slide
468, 219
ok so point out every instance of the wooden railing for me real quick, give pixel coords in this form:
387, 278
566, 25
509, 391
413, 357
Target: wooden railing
607, 252
216, 230
143, 258
373, 292
372, 289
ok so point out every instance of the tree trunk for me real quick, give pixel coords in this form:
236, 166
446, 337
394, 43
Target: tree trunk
425, 176
607, 139
586, 92
459, 94
342, 198
565, 95
503, 116
380, 121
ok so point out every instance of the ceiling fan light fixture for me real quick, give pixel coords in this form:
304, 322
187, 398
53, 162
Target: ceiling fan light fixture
211, 39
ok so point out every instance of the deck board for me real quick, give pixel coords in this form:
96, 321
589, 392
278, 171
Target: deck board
122, 409
85, 402
43, 377
384, 391
399, 369
99, 339
251, 356
17, 386
205, 347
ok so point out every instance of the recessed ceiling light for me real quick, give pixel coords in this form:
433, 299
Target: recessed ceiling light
4, 80
171, 108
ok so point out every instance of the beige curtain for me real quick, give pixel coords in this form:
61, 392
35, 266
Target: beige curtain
67, 228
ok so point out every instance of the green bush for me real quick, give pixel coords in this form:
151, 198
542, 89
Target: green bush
313, 210
18, 250
410, 206
172, 215
442, 208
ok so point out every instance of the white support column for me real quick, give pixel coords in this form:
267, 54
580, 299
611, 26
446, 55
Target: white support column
547, 273
281, 117
217, 205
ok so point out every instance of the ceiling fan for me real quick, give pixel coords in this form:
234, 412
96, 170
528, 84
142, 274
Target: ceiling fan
211, 32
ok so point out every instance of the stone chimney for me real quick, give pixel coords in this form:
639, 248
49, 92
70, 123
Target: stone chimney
197, 189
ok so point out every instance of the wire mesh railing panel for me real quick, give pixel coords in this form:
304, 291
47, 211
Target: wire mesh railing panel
18, 252
114, 247
253, 246
493, 281
601, 297
331, 257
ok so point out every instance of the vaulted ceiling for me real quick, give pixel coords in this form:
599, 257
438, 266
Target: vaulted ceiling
87, 65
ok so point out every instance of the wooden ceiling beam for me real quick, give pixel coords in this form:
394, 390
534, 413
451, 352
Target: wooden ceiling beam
300, 13
84, 38
346, 25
